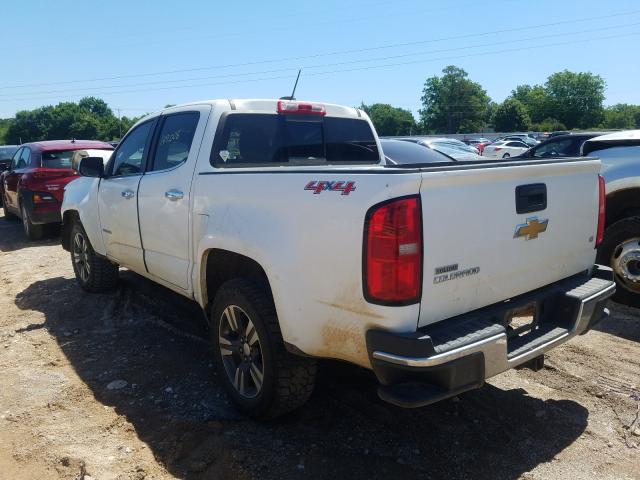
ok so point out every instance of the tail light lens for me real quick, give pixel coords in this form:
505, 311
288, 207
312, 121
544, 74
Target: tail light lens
393, 252
602, 201
301, 108
496, 149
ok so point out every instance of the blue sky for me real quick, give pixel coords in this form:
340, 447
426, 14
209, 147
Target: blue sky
140, 55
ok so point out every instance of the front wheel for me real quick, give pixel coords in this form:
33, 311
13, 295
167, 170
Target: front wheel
261, 376
32, 231
620, 250
94, 274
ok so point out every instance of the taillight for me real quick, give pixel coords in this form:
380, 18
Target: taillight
393, 252
300, 108
602, 201
497, 149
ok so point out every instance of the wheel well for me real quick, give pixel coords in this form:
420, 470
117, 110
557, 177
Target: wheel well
223, 265
622, 204
69, 217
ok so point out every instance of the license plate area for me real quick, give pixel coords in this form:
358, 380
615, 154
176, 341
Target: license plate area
522, 320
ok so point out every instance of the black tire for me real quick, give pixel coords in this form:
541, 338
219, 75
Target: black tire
94, 274
621, 232
32, 231
506, 155
287, 380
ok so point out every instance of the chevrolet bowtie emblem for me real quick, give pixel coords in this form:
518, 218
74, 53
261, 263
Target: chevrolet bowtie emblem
531, 229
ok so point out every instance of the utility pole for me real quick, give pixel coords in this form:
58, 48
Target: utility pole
119, 125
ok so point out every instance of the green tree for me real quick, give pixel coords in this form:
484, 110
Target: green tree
390, 120
549, 125
511, 116
622, 116
575, 99
535, 100
4, 126
90, 118
453, 103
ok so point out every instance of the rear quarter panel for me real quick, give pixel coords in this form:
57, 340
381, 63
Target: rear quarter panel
310, 246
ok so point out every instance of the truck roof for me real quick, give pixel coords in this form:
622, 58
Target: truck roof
57, 145
271, 106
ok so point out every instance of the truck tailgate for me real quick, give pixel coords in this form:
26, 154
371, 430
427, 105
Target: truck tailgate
478, 250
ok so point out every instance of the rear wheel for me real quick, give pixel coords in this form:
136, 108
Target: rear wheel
261, 376
34, 232
94, 274
620, 250
506, 155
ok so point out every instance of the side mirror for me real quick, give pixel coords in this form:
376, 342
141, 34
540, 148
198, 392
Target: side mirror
91, 167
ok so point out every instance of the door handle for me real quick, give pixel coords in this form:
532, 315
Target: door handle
174, 195
128, 194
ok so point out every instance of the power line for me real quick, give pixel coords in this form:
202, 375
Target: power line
348, 62
369, 67
317, 55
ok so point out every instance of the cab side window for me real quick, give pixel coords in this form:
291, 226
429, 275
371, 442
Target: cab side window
16, 158
131, 153
174, 140
25, 156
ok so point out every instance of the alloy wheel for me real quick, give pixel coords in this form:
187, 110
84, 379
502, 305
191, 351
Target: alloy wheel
241, 351
81, 256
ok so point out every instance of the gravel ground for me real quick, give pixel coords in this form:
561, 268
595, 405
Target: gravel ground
121, 386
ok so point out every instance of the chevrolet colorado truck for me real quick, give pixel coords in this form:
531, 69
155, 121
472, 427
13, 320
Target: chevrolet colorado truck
284, 221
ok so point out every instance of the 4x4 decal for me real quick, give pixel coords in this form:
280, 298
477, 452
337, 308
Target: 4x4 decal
319, 186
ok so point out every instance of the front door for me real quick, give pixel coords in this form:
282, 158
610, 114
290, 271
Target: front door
12, 178
164, 198
118, 198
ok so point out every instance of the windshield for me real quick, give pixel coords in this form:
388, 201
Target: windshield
267, 139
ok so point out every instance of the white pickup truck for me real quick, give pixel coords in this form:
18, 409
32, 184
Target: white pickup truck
284, 221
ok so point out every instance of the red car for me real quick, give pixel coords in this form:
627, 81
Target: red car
33, 186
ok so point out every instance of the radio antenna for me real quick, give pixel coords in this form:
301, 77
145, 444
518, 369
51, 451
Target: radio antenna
293, 97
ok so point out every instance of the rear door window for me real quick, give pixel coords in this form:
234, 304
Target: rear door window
174, 141
268, 139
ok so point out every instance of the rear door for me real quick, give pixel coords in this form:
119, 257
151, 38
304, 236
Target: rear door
497, 232
117, 198
164, 197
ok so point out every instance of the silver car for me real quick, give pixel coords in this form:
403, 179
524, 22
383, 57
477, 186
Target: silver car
620, 156
449, 146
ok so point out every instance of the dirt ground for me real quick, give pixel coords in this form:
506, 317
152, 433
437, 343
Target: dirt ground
121, 386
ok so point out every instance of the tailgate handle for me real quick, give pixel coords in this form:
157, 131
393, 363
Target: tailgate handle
531, 198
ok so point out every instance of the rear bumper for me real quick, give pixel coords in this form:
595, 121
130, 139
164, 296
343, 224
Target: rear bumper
42, 213
458, 354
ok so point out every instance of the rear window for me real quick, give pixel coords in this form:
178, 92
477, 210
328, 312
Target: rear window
268, 139
64, 158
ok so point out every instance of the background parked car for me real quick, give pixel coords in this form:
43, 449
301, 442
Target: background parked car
620, 156
530, 141
33, 186
478, 143
6, 154
560, 146
505, 149
398, 152
455, 149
